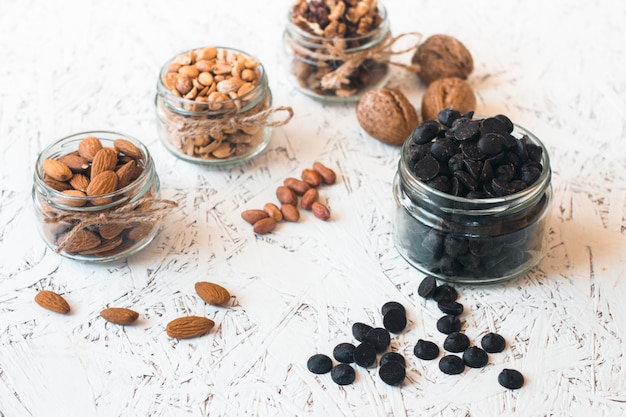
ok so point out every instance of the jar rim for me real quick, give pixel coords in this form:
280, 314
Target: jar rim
459, 204
315, 40
76, 137
181, 102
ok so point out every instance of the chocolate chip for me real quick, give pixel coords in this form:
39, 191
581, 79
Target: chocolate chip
359, 330
392, 356
443, 149
450, 307
425, 349
365, 354
451, 365
344, 352
427, 287
511, 379
426, 168
490, 144
493, 343
425, 132
392, 305
343, 374
392, 373
449, 324
379, 338
394, 320
508, 124
447, 116
456, 342
475, 357
445, 292
319, 364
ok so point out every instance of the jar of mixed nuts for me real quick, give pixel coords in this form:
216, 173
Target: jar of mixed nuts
96, 196
212, 106
472, 199
331, 48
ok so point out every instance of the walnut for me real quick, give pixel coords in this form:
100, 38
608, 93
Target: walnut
447, 92
442, 56
387, 115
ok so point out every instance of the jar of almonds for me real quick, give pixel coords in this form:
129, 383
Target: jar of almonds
213, 106
96, 196
336, 51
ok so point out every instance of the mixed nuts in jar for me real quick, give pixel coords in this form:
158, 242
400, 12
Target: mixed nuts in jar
96, 196
472, 198
213, 106
330, 47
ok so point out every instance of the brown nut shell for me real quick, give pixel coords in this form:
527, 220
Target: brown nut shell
387, 115
447, 92
442, 56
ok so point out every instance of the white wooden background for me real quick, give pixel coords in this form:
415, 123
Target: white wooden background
556, 67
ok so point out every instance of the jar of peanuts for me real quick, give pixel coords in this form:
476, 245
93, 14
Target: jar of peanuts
336, 51
213, 106
96, 196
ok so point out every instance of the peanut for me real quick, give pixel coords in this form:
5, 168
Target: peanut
309, 198
254, 215
264, 225
320, 211
290, 212
273, 211
286, 195
297, 186
312, 177
328, 175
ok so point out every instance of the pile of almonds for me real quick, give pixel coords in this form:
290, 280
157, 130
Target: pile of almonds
184, 327
87, 177
265, 220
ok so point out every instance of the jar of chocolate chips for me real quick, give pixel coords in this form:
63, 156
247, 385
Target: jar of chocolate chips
472, 198
331, 47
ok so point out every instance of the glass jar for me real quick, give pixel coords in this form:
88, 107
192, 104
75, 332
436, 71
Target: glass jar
84, 225
212, 106
471, 240
333, 68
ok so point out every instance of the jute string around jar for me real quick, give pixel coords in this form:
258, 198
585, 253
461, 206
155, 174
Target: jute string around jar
145, 210
382, 53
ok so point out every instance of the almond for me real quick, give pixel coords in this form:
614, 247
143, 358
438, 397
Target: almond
212, 293
265, 225
328, 175
110, 230
89, 147
320, 211
286, 196
57, 185
103, 183
81, 241
74, 202
56, 170
79, 182
254, 215
52, 301
127, 173
273, 211
118, 315
105, 245
309, 198
312, 177
104, 160
141, 231
128, 148
75, 162
290, 212
297, 186
188, 326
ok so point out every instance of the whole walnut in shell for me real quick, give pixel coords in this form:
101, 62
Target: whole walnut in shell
387, 115
447, 92
442, 56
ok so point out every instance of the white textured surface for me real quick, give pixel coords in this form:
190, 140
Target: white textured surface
555, 67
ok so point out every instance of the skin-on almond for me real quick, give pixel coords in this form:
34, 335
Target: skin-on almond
327, 174
79, 182
127, 173
297, 186
265, 225
52, 301
75, 162
74, 202
309, 198
56, 170
88, 147
81, 241
189, 326
57, 185
273, 211
110, 230
103, 183
286, 195
254, 215
212, 293
320, 211
128, 148
290, 212
104, 160
119, 315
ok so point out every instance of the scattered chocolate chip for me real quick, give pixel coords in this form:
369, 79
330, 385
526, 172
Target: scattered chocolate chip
319, 364
359, 330
394, 320
511, 379
392, 356
450, 307
425, 349
427, 287
343, 374
365, 355
392, 373
451, 365
392, 305
379, 338
475, 357
456, 342
445, 292
344, 352
493, 343
449, 324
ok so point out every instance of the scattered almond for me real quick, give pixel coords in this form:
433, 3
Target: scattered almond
212, 293
52, 301
119, 315
189, 326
